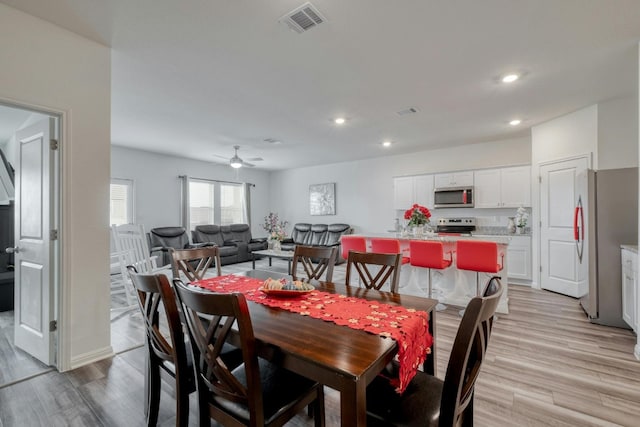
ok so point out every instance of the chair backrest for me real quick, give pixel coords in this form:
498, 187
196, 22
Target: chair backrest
478, 255
467, 355
316, 261
352, 243
207, 340
154, 291
130, 240
195, 263
429, 254
387, 266
385, 246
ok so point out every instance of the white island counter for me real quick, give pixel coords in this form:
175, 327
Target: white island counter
457, 287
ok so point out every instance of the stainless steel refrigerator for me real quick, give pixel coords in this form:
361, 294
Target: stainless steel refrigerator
611, 220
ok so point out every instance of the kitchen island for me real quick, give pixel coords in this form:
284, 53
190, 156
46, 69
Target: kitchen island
451, 286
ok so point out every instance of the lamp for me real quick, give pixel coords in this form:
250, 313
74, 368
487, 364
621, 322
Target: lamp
235, 162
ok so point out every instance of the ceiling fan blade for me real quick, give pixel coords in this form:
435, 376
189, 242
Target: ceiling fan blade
255, 159
221, 157
247, 164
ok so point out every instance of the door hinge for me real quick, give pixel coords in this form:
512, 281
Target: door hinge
53, 235
53, 325
53, 144
540, 269
540, 178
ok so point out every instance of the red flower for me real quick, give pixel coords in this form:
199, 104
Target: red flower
417, 215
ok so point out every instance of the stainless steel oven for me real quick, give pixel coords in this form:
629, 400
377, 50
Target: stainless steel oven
453, 197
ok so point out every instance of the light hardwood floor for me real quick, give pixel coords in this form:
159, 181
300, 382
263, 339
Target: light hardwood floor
546, 365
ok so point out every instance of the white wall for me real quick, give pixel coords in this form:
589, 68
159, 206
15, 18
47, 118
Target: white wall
364, 189
52, 69
157, 186
566, 136
618, 133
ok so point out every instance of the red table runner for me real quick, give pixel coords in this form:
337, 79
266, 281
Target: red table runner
408, 327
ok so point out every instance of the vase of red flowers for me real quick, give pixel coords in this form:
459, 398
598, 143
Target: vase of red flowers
418, 217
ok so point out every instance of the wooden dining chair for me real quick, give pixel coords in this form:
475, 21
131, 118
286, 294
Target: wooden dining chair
429, 401
386, 267
195, 263
166, 352
317, 262
256, 393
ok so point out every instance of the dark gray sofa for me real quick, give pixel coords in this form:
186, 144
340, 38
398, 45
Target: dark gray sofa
234, 241
317, 235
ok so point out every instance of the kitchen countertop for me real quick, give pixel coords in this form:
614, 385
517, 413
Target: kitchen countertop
632, 248
502, 239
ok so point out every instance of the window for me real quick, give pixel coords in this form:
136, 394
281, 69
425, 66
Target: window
231, 204
201, 203
121, 202
213, 202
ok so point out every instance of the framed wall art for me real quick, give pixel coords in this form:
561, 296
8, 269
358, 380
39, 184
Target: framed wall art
322, 199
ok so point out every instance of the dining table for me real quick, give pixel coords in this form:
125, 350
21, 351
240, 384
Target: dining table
339, 357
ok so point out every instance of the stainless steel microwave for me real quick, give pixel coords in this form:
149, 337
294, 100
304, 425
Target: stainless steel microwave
453, 197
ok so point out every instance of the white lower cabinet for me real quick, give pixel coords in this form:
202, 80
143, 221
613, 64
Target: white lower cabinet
519, 255
629, 288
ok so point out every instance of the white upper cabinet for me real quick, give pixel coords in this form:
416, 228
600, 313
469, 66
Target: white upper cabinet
454, 179
423, 187
516, 186
487, 188
403, 192
408, 190
503, 188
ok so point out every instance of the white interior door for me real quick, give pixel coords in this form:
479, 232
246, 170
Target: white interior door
561, 185
34, 284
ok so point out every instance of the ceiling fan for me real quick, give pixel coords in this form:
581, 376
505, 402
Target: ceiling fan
236, 162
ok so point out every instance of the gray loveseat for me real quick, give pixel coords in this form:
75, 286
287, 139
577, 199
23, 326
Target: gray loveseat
317, 235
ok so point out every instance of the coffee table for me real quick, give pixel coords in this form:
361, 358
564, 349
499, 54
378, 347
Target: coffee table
271, 253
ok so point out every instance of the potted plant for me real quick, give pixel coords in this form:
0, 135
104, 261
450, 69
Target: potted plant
275, 229
418, 217
521, 220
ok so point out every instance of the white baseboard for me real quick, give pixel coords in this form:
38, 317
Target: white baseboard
93, 356
636, 351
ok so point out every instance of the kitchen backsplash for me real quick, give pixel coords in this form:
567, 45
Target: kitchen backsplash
499, 231
488, 221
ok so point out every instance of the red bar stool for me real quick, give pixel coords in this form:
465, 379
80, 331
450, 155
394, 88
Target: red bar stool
352, 243
431, 254
388, 246
479, 256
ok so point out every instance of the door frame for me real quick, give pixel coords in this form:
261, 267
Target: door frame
537, 252
61, 303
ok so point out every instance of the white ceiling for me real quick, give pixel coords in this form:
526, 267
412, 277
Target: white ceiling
193, 78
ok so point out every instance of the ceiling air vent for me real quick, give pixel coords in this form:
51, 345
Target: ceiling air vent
406, 111
303, 18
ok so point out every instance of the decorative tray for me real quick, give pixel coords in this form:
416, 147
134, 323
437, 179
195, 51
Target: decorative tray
285, 293
285, 288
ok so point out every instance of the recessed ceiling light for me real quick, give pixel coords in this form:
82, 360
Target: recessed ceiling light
510, 78
515, 122
387, 143
339, 120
